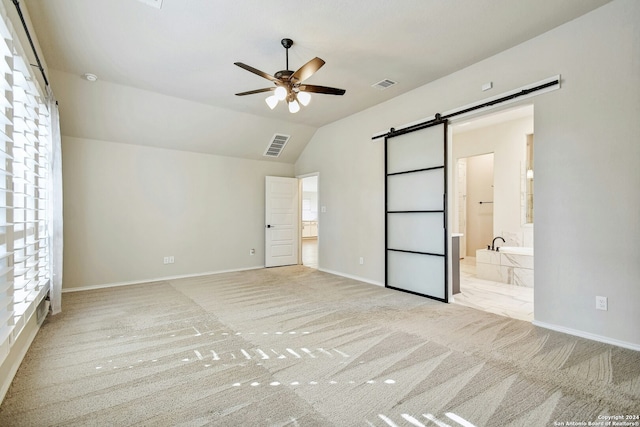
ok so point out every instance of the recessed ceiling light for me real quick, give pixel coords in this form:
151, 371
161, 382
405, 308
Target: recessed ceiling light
90, 77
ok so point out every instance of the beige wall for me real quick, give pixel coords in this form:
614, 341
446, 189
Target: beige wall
126, 207
480, 217
587, 233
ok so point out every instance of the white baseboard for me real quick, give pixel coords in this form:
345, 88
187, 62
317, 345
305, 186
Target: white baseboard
587, 335
158, 279
349, 276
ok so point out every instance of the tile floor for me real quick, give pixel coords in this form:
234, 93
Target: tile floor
499, 298
310, 252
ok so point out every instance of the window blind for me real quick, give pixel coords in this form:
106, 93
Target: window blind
24, 174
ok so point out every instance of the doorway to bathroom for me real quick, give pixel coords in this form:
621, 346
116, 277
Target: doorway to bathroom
493, 193
309, 220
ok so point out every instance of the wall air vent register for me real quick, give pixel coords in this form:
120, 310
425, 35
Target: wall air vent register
276, 145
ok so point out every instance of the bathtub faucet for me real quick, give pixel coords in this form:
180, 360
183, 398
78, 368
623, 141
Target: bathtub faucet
493, 248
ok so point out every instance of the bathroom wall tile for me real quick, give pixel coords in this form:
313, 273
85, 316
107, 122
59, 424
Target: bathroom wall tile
523, 277
512, 238
487, 257
506, 274
489, 272
516, 260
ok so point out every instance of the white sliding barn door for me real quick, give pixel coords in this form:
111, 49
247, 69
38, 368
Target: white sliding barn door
281, 221
415, 197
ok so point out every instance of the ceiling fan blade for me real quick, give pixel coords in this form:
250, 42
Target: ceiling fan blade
322, 89
307, 69
256, 71
251, 92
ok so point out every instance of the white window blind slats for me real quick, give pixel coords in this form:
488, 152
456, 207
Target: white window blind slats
19, 81
4, 29
4, 102
5, 280
4, 272
6, 316
3, 257
5, 70
4, 120
5, 50
24, 175
4, 156
6, 198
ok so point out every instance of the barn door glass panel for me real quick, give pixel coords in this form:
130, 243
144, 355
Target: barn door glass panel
415, 226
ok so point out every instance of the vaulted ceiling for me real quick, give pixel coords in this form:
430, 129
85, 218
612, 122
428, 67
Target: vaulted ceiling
187, 48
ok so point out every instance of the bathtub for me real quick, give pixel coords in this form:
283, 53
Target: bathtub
511, 264
516, 250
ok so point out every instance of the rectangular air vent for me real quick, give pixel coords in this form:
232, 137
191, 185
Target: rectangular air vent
276, 145
383, 84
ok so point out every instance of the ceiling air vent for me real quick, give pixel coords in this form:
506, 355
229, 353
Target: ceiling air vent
383, 84
276, 145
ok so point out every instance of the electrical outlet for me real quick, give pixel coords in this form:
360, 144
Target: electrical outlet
166, 260
361, 260
601, 303
252, 252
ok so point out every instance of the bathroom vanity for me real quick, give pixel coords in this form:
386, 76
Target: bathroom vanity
455, 263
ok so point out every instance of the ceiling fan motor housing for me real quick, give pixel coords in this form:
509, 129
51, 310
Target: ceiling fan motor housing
283, 74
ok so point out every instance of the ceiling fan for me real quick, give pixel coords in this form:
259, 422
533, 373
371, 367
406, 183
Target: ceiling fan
289, 85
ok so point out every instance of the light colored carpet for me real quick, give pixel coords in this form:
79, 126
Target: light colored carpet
293, 346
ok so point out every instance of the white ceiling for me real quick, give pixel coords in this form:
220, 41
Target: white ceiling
187, 48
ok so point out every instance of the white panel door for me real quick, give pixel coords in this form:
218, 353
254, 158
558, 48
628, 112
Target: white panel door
281, 221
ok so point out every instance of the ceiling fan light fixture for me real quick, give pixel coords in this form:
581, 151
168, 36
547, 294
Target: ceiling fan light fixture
294, 107
304, 98
272, 101
288, 83
280, 93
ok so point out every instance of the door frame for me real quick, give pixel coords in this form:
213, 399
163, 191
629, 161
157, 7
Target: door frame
300, 178
524, 101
